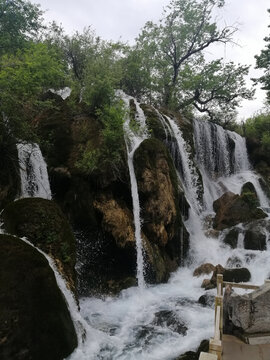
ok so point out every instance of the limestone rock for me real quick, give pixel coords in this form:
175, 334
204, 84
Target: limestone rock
207, 300
169, 319
232, 209
45, 226
34, 319
204, 269
116, 219
249, 312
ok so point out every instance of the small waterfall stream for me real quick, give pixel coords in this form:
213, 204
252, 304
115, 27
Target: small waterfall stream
133, 138
33, 171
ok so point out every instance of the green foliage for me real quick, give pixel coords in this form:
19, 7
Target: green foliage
258, 128
20, 21
24, 77
101, 77
173, 50
109, 154
263, 62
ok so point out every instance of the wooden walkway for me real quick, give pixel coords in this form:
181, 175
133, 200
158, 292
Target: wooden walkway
235, 349
228, 347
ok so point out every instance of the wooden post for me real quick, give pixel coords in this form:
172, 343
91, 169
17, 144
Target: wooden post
215, 347
219, 284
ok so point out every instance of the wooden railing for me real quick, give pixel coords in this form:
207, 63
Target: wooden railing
215, 343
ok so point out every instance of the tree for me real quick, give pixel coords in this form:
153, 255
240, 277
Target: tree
214, 88
173, 50
263, 62
19, 21
24, 77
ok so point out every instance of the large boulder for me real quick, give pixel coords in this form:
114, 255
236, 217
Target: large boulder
232, 209
249, 313
232, 275
34, 319
45, 226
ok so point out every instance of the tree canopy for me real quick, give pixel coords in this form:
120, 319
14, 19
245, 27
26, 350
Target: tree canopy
263, 62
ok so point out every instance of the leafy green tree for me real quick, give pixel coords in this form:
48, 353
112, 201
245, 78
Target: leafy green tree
102, 76
258, 128
263, 62
173, 50
24, 77
20, 21
214, 88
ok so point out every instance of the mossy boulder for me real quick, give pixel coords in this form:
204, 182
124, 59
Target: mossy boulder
45, 226
232, 209
34, 320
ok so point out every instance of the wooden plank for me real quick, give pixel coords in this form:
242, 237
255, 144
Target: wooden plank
241, 286
207, 356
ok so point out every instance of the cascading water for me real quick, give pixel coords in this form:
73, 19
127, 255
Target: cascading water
33, 171
134, 136
128, 323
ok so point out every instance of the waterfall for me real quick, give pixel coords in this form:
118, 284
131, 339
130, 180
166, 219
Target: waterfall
181, 156
223, 161
33, 171
127, 323
133, 138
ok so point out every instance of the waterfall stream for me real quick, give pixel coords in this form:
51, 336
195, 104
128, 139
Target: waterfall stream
33, 171
134, 136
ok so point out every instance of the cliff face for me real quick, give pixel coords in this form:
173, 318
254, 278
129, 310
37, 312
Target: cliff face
99, 205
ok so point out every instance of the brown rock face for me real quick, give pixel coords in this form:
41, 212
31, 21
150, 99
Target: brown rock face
204, 269
160, 199
117, 219
232, 209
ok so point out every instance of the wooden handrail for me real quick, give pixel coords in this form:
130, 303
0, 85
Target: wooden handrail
241, 286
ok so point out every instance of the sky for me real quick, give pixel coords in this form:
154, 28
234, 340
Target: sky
123, 20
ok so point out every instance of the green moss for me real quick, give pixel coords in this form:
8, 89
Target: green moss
153, 122
34, 320
45, 226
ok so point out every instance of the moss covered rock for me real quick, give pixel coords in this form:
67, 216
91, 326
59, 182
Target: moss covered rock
45, 226
34, 320
232, 209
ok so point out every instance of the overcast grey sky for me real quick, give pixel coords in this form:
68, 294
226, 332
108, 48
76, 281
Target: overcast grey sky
123, 19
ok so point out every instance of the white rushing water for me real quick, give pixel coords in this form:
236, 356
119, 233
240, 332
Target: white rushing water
135, 134
33, 171
129, 326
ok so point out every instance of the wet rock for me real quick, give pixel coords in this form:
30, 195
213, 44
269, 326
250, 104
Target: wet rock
192, 355
207, 300
234, 262
232, 275
34, 319
250, 312
166, 239
45, 226
255, 240
169, 319
232, 209
231, 238
204, 269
